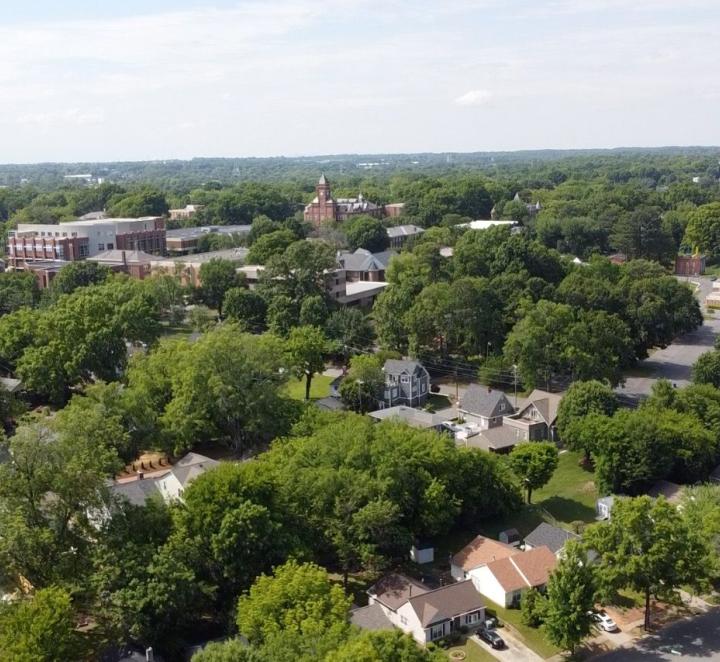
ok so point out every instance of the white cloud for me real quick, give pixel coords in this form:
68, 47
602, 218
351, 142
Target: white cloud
474, 98
61, 118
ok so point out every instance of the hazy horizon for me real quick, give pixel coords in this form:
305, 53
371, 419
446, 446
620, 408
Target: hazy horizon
120, 82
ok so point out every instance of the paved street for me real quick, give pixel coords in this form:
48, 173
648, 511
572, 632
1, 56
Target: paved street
694, 639
673, 362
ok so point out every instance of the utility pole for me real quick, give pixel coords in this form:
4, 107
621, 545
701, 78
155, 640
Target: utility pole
515, 382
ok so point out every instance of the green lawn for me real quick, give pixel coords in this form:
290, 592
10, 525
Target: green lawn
319, 388
533, 637
569, 497
437, 401
473, 652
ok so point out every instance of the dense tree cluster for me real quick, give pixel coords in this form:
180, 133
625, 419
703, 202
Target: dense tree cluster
505, 291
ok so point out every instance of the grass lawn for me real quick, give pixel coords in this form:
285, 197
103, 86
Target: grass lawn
533, 637
473, 652
437, 401
319, 388
569, 497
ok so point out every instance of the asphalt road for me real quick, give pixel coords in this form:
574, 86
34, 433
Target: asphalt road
673, 362
695, 639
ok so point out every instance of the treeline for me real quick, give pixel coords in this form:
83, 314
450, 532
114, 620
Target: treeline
505, 299
338, 490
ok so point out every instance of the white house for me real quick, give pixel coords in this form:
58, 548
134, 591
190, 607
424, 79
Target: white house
478, 552
169, 485
427, 615
505, 580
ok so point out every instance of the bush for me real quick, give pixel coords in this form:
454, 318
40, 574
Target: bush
532, 608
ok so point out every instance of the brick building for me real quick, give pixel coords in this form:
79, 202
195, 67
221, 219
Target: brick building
78, 240
324, 208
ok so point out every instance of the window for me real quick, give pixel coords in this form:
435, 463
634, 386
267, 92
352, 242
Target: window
403, 619
110, 247
422, 387
404, 380
474, 617
101, 247
437, 631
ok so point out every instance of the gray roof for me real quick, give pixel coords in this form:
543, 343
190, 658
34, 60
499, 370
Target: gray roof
404, 230
364, 260
394, 590
118, 256
485, 402
199, 231
446, 602
550, 536
494, 439
330, 404
401, 366
371, 617
416, 418
546, 403
137, 492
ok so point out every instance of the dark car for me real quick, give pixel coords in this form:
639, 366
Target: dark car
491, 637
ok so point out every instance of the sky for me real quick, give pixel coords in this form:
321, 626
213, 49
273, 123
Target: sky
161, 79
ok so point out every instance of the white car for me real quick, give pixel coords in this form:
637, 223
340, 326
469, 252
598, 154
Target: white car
603, 621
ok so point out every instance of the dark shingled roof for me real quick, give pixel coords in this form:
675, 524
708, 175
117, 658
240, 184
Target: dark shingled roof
552, 537
481, 401
398, 367
394, 590
446, 602
371, 617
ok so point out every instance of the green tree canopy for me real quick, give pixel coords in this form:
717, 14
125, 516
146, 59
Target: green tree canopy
40, 629
534, 463
366, 232
648, 547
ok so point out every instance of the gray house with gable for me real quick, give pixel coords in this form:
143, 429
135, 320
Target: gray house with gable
484, 406
406, 383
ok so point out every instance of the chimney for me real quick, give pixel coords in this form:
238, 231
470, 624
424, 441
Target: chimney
149, 655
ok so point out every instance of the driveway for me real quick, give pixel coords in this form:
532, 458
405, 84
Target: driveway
675, 361
514, 651
696, 638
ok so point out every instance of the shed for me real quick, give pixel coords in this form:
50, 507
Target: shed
422, 552
510, 537
603, 507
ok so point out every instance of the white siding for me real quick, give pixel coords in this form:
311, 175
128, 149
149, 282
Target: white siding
487, 585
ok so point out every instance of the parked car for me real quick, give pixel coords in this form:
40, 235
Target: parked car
491, 637
603, 621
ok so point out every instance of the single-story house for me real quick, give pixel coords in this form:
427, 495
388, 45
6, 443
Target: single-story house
478, 552
427, 615
416, 418
537, 416
407, 382
552, 537
499, 439
484, 406
505, 580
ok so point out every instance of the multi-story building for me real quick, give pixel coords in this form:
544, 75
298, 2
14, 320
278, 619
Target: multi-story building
78, 240
324, 208
188, 211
